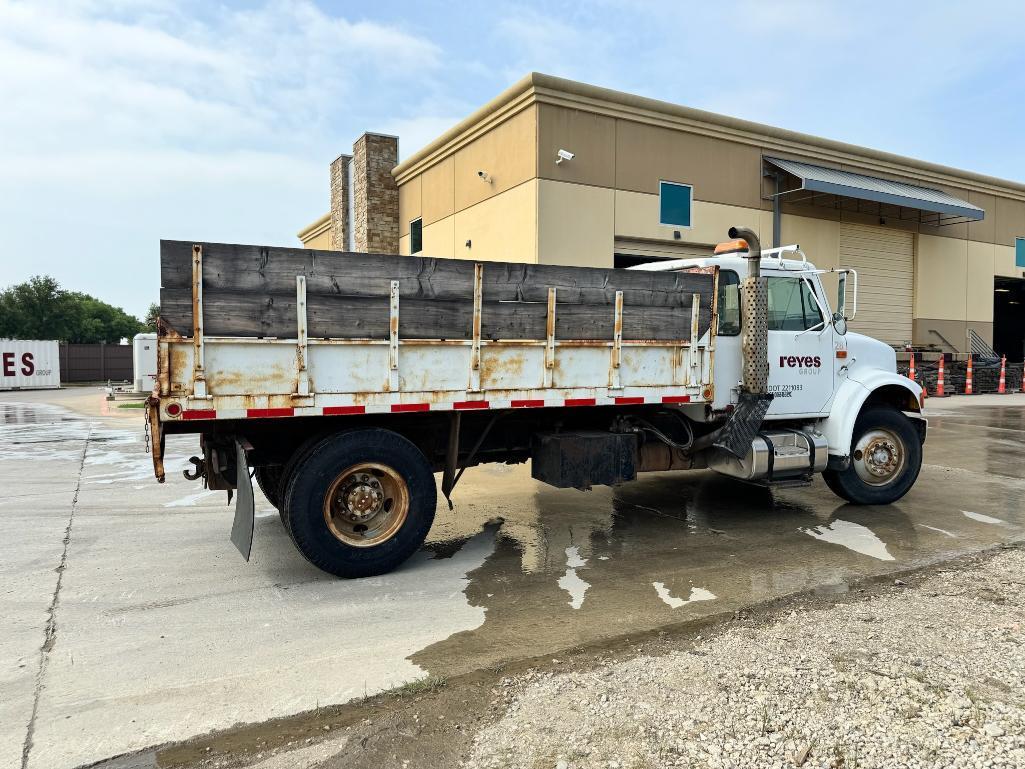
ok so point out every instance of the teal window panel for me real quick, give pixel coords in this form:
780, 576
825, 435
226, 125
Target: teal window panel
1019, 252
416, 236
675, 204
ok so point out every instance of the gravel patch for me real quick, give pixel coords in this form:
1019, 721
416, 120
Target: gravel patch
930, 675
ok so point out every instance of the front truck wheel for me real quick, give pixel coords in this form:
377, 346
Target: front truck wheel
886, 456
361, 502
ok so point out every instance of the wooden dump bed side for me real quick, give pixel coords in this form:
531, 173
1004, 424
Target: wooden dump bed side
257, 332
250, 291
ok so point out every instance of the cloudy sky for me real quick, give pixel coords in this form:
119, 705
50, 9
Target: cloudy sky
127, 121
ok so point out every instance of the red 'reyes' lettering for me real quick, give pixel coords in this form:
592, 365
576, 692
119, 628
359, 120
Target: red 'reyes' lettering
28, 365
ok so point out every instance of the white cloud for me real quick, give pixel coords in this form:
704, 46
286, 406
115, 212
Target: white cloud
132, 121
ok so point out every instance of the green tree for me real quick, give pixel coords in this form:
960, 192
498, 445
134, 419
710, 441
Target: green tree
40, 309
151, 317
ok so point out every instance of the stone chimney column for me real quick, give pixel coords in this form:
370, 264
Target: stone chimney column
376, 209
340, 203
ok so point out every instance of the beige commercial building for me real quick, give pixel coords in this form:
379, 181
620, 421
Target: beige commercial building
556, 171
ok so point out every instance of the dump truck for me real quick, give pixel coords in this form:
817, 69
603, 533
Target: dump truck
342, 383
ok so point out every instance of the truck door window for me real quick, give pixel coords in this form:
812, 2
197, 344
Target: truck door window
729, 303
791, 305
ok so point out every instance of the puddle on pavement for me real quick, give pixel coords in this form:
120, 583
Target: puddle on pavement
981, 518
47, 433
853, 536
573, 567
571, 581
675, 602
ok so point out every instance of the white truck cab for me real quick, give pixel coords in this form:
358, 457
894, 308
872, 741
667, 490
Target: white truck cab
822, 377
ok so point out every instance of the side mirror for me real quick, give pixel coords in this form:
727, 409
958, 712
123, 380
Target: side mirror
841, 295
839, 323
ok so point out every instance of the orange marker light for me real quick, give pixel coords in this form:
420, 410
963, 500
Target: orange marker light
841, 354
731, 246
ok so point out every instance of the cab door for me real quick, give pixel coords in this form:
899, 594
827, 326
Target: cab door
800, 346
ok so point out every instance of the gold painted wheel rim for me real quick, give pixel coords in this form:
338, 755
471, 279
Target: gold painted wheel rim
366, 504
879, 457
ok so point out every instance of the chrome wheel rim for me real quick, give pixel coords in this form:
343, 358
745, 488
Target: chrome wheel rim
366, 504
879, 457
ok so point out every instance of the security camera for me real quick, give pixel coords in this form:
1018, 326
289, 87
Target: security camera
484, 176
563, 155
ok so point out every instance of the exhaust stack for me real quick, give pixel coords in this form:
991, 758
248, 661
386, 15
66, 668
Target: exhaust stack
754, 308
744, 422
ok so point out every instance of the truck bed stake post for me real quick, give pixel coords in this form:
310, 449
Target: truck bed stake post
393, 338
617, 343
302, 388
478, 298
198, 362
550, 338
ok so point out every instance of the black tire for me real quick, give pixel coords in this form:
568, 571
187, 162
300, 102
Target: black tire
287, 470
268, 479
899, 443
324, 533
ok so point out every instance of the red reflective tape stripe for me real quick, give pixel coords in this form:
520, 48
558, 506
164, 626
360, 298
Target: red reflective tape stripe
580, 401
459, 405
398, 408
629, 401
260, 413
338, 411
199, 414
676, 399
527, 404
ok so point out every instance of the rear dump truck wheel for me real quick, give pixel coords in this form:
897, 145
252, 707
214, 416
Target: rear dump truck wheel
361, 502
886, 457
268, 478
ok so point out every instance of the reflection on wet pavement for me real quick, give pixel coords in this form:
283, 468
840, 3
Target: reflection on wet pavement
575, 567
853, 536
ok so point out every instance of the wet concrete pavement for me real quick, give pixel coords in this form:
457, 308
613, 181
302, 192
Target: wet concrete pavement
158, 631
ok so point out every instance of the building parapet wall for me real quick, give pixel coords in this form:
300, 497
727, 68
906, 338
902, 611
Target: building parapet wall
540, 88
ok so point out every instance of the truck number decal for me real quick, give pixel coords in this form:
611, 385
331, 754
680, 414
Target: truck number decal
785, 390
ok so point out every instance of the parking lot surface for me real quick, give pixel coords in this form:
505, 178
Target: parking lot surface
129, 619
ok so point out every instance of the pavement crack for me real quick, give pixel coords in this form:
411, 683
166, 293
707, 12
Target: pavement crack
50, 633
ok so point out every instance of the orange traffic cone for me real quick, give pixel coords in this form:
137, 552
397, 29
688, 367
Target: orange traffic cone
939, 379
968, 377
1002, 384
912, 374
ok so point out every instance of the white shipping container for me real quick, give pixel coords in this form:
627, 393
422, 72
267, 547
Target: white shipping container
29, 363
144, 362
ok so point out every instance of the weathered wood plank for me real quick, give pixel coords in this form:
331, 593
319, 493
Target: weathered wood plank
237, 313
268, 271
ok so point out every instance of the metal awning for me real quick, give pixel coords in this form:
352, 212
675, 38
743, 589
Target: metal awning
831, 187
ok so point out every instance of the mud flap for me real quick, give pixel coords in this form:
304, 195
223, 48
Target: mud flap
743, 423
245, 508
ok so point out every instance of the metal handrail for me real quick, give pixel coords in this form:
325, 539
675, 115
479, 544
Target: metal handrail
944, 339
979, 346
